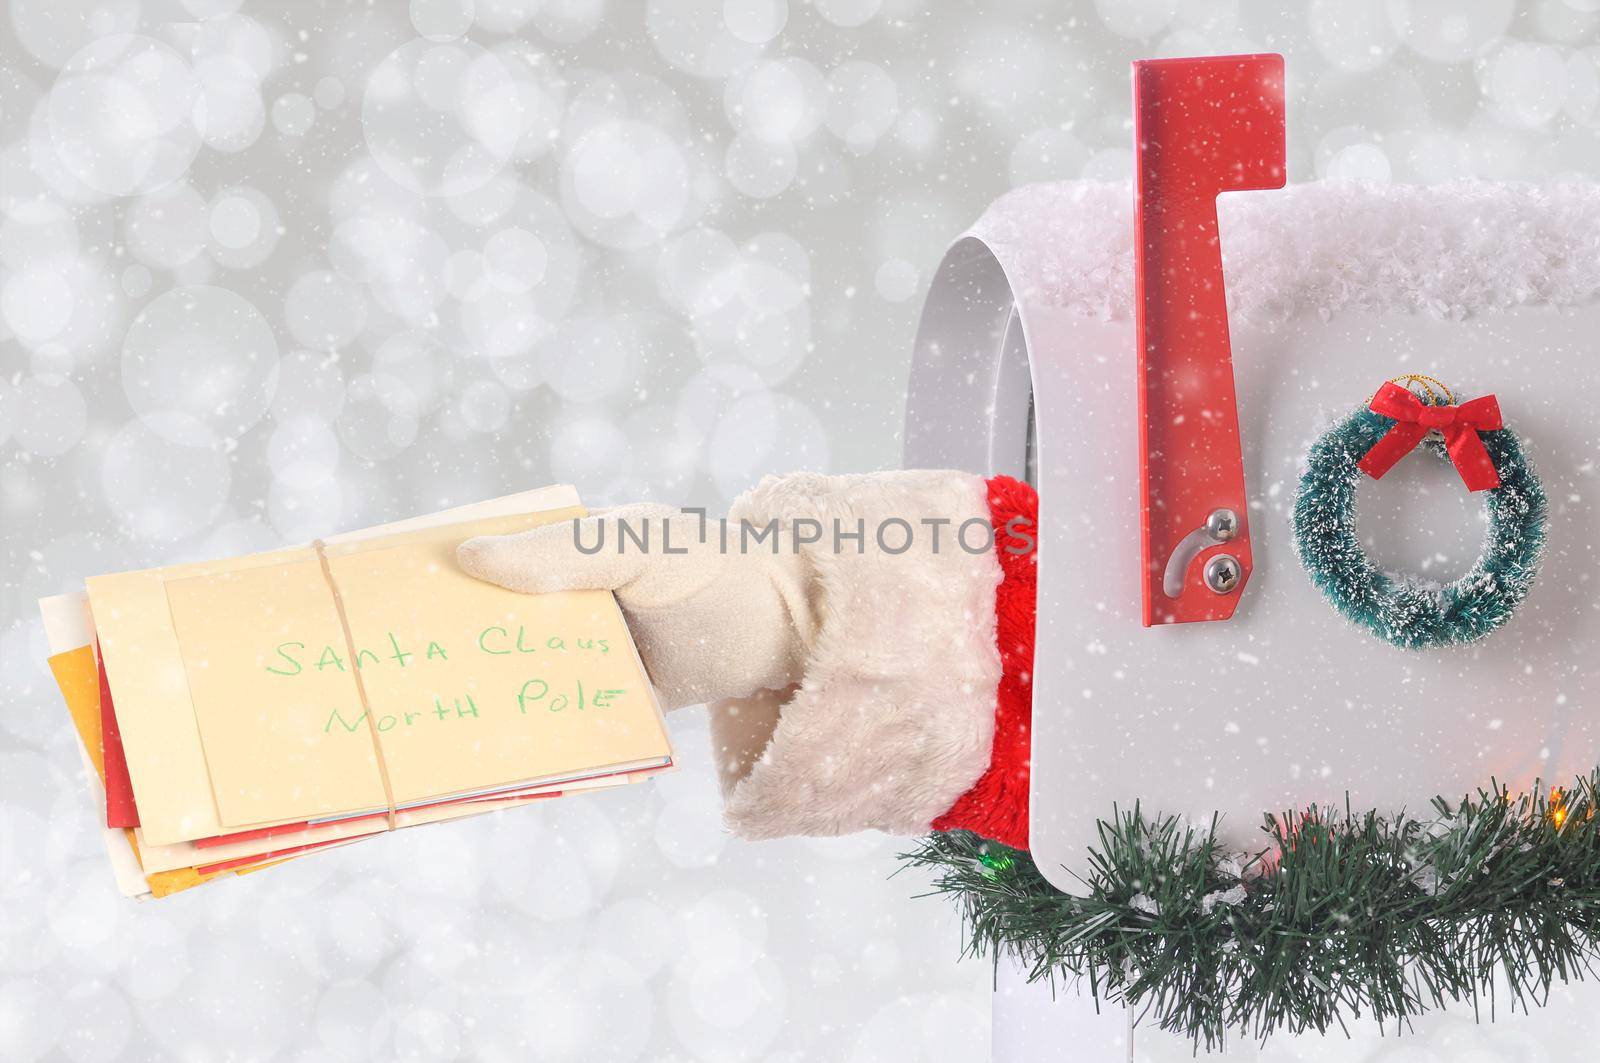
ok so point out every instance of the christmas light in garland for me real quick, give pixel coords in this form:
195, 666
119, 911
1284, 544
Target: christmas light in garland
1336, 917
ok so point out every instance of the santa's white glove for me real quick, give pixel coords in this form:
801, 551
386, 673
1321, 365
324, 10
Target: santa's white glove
709, 622
856, 682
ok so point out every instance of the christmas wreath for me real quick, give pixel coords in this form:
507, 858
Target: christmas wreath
1336, 916
1400, 609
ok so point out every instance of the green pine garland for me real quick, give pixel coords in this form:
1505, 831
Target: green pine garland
1339, 915
1401, 610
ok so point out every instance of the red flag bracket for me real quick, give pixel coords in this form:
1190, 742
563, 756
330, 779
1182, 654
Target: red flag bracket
1201, 127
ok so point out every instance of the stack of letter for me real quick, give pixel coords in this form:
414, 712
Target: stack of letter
238, 713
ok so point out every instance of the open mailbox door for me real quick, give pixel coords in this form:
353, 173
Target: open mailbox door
1027, 363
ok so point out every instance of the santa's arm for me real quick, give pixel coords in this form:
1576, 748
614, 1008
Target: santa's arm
865, 642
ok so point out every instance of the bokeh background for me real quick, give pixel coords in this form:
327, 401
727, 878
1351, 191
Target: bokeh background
272, 270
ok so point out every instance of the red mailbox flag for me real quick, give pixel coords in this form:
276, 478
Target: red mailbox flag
1201, 127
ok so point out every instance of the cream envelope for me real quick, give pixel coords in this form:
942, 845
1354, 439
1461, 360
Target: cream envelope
241, 697
172, 868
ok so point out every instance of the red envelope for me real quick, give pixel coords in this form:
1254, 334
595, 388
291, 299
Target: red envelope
120, 809
278, 854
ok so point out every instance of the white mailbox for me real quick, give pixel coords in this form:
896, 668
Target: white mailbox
1025, 364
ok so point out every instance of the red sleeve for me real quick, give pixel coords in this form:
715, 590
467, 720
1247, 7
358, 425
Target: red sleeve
997, 804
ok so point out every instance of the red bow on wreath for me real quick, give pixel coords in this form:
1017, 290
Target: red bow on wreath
1459, 425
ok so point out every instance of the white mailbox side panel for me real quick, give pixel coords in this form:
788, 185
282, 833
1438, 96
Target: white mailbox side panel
1287, 704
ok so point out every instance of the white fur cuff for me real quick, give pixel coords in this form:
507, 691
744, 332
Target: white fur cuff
894, 718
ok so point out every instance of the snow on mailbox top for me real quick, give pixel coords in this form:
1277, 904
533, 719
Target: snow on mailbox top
1445, 250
